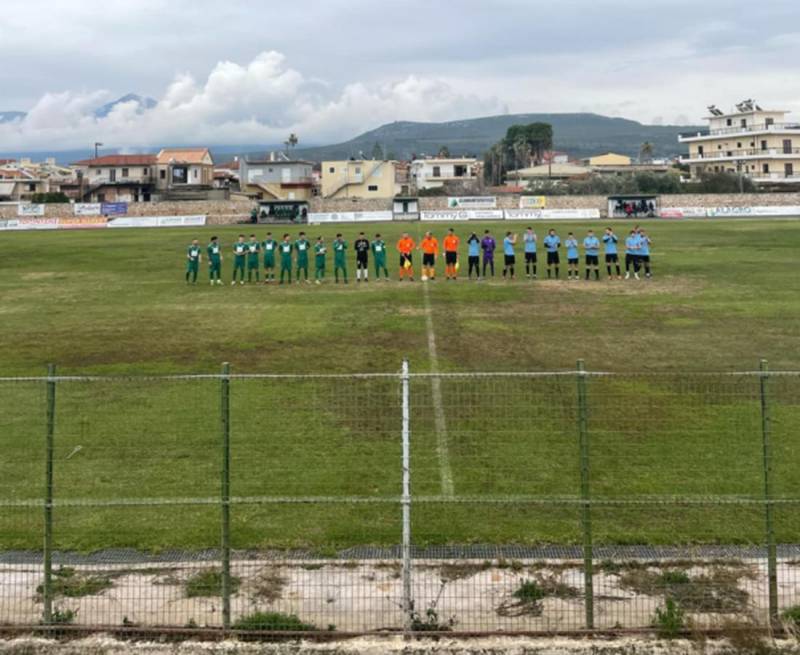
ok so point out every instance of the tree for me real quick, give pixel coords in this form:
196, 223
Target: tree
521, 145
444, 152
377, 151
646, 153
291, 142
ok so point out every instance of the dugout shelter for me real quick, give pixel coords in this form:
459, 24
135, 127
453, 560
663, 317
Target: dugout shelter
281, 211
633, 205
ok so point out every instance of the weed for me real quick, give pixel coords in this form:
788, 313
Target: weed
268, 585
273, 621
670, 621
457, 571
63, 617
208, 583
67, 582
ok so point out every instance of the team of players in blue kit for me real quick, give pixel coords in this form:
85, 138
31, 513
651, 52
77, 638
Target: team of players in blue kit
637, 254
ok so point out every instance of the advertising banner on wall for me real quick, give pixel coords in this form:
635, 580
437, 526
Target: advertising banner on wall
550, 214
350, 217
714, 212
465, 215
87, 209
682, 212
532, 202
114, 208
82, 222
30, 210
158, 221
472, 202
29, 224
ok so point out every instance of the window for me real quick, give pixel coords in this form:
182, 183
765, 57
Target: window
763, 145
372, 187
163, 174
739, 145
32, 187
765, 168
196, 173
99, 172
331, 170
700, 151
437, 171
358, 170
769, 121
146, 171
729, 122
125, 172
719, 147
744, 122
788, 169
787, 146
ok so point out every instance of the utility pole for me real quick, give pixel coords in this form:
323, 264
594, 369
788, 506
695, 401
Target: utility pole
97, 145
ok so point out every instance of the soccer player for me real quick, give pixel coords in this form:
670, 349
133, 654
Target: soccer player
302, 246
612, 257
450, 244
379, 257
573, 257
193, 261
430, 248
361, 246
632, 255
530, 238
405, 247
253, 265
591, 246
474, 255
270, 246
214, 261
644, 252
285, 250
552, 242
339, 258
509, 258
239, 252
488, 245
320, 250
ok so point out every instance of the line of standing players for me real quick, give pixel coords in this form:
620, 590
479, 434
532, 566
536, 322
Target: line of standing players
288, 256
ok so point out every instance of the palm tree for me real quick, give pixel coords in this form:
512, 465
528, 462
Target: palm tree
646, 153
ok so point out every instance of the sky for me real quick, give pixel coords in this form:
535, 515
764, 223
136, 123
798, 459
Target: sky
252, 71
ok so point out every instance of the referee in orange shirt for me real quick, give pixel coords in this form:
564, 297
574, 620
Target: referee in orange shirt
451, 242
430, 248
405, 246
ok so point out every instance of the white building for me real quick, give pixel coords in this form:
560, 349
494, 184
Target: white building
434, 173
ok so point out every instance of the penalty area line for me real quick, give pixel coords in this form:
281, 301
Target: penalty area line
440, 421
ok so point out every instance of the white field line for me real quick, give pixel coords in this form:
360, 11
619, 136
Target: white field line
440, 421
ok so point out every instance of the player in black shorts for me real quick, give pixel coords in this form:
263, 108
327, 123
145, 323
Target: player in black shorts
362, 246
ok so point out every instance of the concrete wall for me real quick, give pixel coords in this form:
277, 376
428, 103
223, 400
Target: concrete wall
231, 208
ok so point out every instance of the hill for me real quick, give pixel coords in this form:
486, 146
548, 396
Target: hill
578, 134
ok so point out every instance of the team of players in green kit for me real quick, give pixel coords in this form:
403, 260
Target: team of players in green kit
287, 256
290, 255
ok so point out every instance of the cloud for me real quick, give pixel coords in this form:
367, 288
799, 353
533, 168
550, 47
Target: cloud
259, 102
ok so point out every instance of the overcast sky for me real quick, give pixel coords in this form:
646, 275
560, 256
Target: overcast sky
250, 71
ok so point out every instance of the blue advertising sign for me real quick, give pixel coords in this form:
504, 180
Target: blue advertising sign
114, 208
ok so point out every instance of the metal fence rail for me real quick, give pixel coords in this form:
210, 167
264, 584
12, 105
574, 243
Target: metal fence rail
466, 502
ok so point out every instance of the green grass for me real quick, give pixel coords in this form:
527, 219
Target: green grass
114, 303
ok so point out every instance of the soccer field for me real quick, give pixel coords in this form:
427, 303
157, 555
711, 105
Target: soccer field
113, 302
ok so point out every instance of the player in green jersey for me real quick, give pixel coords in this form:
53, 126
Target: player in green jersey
253, 265
192, 261
320, 252
339, 258
270, 246
302, 246
214, 261
285, 250
239, 255
379, 257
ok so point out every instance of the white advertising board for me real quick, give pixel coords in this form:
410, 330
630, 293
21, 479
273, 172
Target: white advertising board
682, 212
532, 202
157, 221
472, 202
464, 215
350, 217
713, 212
87, 209
30, 210
550, 214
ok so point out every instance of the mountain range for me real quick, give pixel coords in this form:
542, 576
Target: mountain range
143, 104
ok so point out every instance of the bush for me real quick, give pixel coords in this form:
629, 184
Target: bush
670, 621
49, 197
66, 581
791, 616
273, 621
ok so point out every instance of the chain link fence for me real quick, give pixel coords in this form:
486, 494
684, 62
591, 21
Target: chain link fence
402, 502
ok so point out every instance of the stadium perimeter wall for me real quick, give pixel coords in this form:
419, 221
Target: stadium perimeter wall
224, 212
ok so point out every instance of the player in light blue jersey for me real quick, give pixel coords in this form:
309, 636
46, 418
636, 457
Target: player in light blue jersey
530, 239
612, 255
644, 252
591, 248
510, 258
552, 242
573, 257
474, 255
632, 246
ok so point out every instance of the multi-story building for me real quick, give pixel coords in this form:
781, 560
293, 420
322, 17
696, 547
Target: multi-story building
276, 177
435, 173
763, 145
184, 173
21, 185
358, 178
117, 178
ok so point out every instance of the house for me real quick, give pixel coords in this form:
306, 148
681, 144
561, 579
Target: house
276, 177
762, 144
523, 176
608, 159
117, 178
226, 175
184, 173
434, 173
18, 185
359, 178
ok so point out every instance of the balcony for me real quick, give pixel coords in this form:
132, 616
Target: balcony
144, 180
775, 178
749, 129
752, 153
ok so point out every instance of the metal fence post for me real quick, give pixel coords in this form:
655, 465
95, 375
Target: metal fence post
408, 603
772, 551
47, 587
225, 493
586, 510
